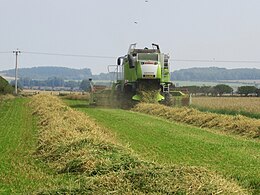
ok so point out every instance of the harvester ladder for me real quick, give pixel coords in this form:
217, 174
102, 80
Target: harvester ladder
166, 88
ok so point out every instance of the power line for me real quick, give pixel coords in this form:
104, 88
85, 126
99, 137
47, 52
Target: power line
68, 55
113, 57
5, 51
217, 61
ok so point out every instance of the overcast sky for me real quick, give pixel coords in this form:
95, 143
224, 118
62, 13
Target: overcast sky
186, 29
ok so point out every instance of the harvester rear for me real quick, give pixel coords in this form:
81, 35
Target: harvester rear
145, 74
142, 75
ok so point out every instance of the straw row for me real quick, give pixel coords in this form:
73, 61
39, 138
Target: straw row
235, 124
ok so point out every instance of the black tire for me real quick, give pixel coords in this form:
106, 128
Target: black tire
168, 100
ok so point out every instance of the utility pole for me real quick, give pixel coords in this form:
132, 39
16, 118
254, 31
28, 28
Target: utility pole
16, 69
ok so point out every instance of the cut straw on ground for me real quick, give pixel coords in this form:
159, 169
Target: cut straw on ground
240, 125
72, 143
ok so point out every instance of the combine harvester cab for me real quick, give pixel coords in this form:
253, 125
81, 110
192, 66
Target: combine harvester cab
141, 75
145, 74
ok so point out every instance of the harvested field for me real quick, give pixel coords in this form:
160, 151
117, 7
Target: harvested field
238, 104
73, 144
235, 124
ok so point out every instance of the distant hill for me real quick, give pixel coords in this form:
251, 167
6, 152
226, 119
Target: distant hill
215, 74
45, 72
190, 74
205, 74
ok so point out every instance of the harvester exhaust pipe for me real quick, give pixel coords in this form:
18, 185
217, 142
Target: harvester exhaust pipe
157, 46
120, 61
131, 61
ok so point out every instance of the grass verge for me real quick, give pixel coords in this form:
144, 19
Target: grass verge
20, 173
16, 126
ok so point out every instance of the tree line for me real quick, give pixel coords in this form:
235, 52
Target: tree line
220, 90
53, 82
190, 74
50, 82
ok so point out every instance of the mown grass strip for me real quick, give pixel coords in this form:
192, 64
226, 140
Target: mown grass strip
72, 143
168, 142
14, 132
18, 172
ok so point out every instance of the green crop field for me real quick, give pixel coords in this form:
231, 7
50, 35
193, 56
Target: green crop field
51, 152
17, 138
172, 143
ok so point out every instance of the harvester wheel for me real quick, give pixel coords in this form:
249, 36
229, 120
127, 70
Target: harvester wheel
168, 99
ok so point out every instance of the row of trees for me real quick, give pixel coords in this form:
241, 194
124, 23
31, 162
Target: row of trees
53, 82
217, 90
50, 82
190, 74
221, 89
246, 90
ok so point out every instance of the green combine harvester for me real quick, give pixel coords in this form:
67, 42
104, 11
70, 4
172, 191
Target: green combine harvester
141, 75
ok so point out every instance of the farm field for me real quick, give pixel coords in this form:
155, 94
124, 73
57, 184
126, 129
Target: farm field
72, 143
172, 143
248, 106
53, 152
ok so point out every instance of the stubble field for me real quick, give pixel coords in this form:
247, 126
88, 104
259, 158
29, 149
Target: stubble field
248, 106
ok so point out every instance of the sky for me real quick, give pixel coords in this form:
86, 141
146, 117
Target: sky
186, 29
